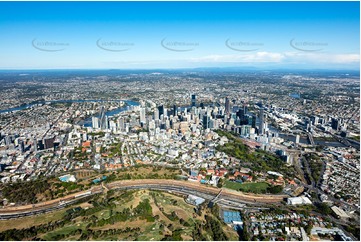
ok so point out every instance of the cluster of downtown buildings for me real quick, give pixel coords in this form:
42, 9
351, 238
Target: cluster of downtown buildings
152, 117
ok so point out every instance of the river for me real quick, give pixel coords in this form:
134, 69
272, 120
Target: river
88, 121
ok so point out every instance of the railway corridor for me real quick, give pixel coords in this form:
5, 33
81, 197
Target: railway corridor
182, 187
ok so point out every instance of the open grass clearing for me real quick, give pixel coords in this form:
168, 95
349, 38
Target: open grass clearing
27, 222
253, 187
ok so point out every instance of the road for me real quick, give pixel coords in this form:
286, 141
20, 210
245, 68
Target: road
310, 138
226, 197
315, 185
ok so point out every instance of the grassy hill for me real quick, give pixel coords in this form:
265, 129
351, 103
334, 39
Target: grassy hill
122, 215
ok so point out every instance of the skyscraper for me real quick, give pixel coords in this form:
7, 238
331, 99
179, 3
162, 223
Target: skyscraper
112, 126
8, 139
297, 139
193, 104
22, 146
261, 121
95, 123
121, 124
156, 114
252, 120
241, 115
48, 142
227, 106
206, 120
142, 115
245, 108
35, 145
160, 110
335, 124
103, 121
174, 110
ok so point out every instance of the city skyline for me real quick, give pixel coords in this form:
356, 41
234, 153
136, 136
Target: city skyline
172, 35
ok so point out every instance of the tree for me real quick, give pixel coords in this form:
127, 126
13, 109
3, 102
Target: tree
323, 208
215, 210
275, 189
214, 228
308, 228
220, 183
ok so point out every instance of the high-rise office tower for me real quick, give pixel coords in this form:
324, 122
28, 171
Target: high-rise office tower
238, 121
206, 120
245, 130
316, 121
174, 110
120, 124
105, 123
95, 123
156, 114
22, 146
252, 120
142, 115
8, 140
193, 104
227, 106
160, 110
48, 142
245, 108
335, 123
35, 145
225, 120
211, 123
103, 120
297, 139
261, 121
235, 108
133, 119
112, 126
241, 115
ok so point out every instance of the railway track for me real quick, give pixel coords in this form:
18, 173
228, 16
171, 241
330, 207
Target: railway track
202, 188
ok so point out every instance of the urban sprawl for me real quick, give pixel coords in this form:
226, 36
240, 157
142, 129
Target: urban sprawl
279, 133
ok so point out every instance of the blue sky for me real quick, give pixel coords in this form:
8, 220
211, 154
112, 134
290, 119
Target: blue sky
76, 35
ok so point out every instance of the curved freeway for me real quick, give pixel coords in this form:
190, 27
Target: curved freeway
224, 197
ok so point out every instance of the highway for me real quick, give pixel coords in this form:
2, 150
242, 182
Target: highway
223, 197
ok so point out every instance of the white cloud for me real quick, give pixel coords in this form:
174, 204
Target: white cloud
282, 57
246, 58
321, 57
